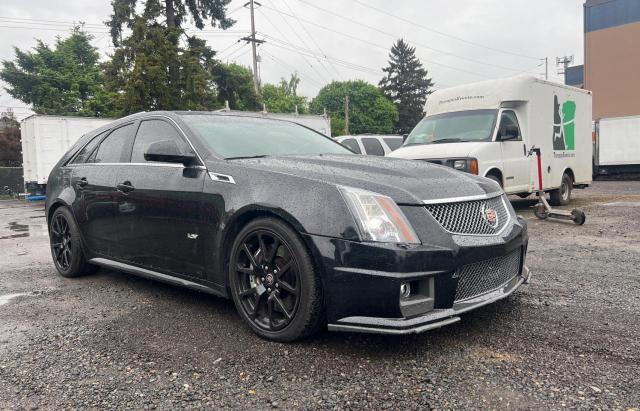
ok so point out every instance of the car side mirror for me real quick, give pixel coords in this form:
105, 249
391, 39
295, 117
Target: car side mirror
167, 151
404, 137
509, 133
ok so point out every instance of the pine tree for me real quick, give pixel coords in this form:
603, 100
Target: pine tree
61, 80
407, 85
159, 66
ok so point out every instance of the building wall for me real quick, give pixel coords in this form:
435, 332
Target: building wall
612, 57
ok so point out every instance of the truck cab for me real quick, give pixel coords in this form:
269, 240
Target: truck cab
488, 129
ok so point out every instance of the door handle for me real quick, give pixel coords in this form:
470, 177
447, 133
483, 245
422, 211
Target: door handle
82, 182
525, 149
125, 187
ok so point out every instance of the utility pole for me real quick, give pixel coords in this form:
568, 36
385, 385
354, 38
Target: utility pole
254, 42
346, 115
564, 62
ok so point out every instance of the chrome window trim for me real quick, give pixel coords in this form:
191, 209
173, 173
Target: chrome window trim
463, 199
222, 178
174, 165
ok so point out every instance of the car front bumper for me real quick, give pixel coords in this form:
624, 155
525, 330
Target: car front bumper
434, 319
361, 281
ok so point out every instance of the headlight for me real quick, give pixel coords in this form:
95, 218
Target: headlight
378, 217
460, 164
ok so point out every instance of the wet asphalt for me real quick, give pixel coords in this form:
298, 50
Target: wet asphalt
571, 339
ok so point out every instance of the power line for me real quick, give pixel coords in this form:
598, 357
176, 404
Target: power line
309, 35
277, 60
386, 33
296, 49
443, 33
376, 44
304, 57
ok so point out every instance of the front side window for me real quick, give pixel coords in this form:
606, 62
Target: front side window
115, 148
509, 119
352, 144
456, 127
373, 147
237, 137
151, 131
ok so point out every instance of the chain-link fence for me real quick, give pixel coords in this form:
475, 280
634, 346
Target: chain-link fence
11, 180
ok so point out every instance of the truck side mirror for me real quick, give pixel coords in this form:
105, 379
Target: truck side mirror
509, 133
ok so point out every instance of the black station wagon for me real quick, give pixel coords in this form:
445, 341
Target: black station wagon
298, 230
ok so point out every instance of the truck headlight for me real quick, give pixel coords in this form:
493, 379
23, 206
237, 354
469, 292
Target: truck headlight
378, 217
460, 164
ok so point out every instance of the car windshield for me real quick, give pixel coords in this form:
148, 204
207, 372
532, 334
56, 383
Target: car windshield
475, 125
241, 137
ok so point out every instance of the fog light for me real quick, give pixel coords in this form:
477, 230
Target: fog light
405, 290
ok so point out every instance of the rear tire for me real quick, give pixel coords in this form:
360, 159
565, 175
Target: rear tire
66, 245
562, 196
273, 283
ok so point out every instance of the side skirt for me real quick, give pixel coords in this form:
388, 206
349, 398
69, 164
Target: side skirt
153, 275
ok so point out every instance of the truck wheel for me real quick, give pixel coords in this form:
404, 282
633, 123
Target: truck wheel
561, 196
496, 179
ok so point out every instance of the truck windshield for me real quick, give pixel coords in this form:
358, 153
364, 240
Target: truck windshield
460, 126
234, 137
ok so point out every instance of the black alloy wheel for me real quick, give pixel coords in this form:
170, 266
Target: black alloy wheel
272, 281
61, 242
66, 247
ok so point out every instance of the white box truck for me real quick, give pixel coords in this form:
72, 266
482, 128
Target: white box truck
44, 140
488, 128
617, 145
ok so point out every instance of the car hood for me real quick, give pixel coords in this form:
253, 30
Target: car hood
433, 151
405, 181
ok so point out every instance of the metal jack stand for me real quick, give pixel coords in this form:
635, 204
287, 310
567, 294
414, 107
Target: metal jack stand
543, 210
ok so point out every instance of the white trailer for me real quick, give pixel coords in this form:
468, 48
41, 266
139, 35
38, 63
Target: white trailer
488, 128
45, 139
617, 145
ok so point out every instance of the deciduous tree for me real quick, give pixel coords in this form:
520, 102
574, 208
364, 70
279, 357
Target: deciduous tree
369, 110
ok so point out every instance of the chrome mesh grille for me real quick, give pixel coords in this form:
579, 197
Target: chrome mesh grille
484, 276
469, 217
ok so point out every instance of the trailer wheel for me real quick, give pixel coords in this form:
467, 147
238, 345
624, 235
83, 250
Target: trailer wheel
578, 216
561, 196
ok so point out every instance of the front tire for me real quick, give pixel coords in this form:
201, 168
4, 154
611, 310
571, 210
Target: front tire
562, 196
66, 245
273, 283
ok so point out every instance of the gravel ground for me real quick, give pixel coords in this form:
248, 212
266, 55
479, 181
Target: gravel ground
570, 339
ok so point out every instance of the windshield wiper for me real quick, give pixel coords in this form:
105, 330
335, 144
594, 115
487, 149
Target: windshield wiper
448, 140
245, 157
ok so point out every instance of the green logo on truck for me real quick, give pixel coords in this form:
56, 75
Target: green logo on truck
564, 125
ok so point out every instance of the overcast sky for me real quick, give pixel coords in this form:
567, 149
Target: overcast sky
458, 41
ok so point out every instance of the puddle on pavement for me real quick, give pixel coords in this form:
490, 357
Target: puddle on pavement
4, 299
25, 230
6, 237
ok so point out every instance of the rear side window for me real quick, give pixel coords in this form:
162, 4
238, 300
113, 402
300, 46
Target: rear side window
393, 143
352, 144
372, 146
151, 131
88, 149
114, 148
